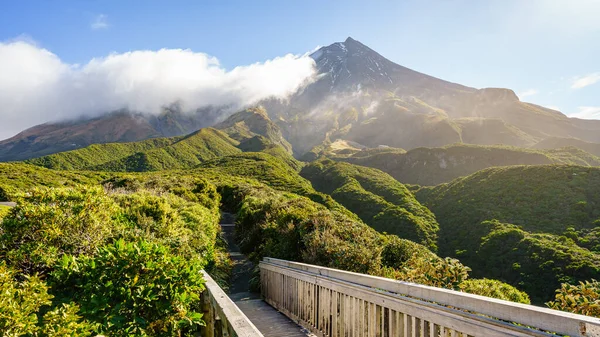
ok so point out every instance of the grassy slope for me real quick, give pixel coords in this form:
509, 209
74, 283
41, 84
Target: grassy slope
378, 199
432, 166
187, 152
97, 154
148, 155
557, 142
546, 202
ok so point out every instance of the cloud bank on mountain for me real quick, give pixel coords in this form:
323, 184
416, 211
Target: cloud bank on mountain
36, 86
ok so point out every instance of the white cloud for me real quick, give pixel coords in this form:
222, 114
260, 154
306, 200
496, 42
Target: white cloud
587, 112
37, 87
584, 81
529, 92
99, 22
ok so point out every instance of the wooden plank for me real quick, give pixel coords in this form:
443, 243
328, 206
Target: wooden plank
454, 319
528, 315
226, 309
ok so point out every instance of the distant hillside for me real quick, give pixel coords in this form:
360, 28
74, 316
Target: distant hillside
557, 143
253, 121
556, 209
380, 201
432, 166
149, 155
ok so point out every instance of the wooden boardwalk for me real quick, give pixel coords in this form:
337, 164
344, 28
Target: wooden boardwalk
267, 319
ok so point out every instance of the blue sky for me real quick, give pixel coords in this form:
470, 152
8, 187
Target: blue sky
546, 50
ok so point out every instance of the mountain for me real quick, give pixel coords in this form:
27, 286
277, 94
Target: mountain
247, 130
119, 126
361, 96
357, 96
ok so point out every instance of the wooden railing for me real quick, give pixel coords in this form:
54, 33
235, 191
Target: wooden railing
337, 303
223, 318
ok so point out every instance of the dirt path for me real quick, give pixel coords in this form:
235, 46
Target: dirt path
269, 321
239, 288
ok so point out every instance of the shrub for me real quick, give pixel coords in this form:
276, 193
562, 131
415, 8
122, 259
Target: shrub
20, 309
581, 299
134, 289
495, 289
49, 222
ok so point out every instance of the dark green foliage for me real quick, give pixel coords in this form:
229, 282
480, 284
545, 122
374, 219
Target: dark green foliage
432, 166
136, 289
378, 199
545, 202
520, 258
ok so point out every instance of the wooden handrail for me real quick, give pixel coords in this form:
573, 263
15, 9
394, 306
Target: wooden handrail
223, 318
435, 309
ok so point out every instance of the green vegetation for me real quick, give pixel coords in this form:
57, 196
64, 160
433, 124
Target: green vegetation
72, 227
149, 155
523, 244
432, 166
98, 154
287, 226
379, 200
558, 143
118, 262
580, 299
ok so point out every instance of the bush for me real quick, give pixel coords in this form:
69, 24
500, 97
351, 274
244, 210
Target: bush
495, 289
137, 289
583, 299
49, 222
21, 304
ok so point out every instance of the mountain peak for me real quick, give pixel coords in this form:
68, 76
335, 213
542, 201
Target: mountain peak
352, 64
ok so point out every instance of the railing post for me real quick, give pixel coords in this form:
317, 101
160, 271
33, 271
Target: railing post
208, 330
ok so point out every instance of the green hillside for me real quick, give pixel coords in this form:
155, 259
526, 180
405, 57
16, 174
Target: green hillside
556, 209
97, 154
432, 166
557, 143
149, 155
186, 152
379, 200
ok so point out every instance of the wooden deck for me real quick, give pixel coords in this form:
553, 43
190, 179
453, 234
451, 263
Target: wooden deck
267, 319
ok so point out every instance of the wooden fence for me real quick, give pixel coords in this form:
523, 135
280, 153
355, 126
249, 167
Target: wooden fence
223, 318
337, 303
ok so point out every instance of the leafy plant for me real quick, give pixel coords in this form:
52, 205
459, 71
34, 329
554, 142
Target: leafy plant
583, 298
134, 289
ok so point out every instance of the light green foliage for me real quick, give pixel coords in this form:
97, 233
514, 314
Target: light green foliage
583, 298
47, 223
20, 309
97, 154
294, 228
20, 303
378, 199
136, 289
4, 211
148, 155
495, 289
